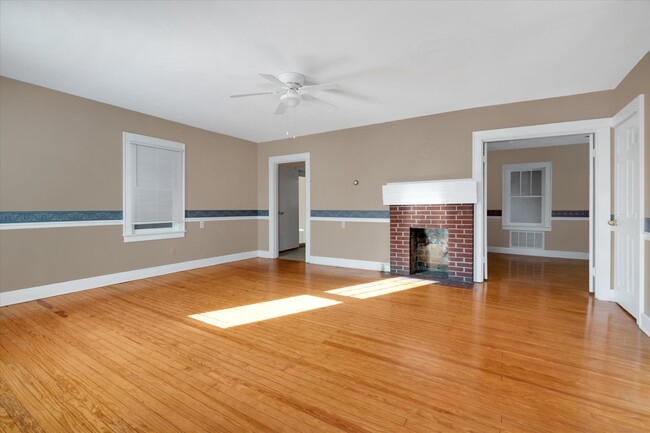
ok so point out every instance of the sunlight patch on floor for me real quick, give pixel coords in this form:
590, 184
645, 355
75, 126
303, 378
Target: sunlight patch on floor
380, 287
245, 314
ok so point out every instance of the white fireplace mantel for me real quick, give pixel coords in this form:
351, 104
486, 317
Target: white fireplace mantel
451, 191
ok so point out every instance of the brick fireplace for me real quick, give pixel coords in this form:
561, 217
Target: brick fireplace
458, 219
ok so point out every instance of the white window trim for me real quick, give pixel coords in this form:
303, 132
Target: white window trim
178, 229
547, 198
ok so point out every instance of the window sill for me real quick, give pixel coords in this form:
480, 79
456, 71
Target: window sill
154, 237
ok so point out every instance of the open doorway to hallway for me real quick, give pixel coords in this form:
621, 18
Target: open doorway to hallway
291, 211
538, 207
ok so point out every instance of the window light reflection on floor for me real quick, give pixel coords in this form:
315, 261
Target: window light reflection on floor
245, 314
380, 287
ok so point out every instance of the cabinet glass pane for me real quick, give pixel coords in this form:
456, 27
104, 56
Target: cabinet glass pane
514, 183
536, 182
527, 210
525, 183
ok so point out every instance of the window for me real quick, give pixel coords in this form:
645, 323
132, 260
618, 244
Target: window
154, 188
527, 196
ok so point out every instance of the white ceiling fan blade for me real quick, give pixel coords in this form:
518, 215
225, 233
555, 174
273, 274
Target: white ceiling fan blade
273, 79
252, 94
282, 108
328, 86
310, 98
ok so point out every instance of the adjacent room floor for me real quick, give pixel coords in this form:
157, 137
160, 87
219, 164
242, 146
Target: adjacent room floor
338, 350
294, 254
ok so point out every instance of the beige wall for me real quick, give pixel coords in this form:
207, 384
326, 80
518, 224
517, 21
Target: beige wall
431, 147
570, 191
62, 152
565, 236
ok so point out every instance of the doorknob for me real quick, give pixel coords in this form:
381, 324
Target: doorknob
281, 213
612, 222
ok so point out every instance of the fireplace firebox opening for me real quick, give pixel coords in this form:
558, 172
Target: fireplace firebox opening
429, 252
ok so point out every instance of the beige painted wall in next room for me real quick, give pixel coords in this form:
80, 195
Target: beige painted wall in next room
570, 191
62, 152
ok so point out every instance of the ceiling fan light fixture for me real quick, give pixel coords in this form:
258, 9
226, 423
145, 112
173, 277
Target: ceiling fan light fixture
291, 98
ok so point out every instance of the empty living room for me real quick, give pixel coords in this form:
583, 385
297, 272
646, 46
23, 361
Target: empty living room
324, 216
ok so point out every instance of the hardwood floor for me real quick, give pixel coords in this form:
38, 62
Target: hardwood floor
529, 351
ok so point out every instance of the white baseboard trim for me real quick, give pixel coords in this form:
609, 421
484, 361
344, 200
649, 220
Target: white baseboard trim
56, 289
540, 253
644, 323
264, 254
350, 263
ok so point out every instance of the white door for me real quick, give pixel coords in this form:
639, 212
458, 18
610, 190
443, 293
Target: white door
627, 208
288, 227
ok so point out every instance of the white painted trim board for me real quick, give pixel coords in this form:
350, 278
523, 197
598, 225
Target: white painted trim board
644, 323
350, 263
540, 253
68, 224
56, 289
352, 220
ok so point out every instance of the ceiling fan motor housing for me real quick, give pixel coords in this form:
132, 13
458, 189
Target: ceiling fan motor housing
293, 80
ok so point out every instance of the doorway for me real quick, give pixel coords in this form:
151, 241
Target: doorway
297, 167
537, 195
599, 269
291, 211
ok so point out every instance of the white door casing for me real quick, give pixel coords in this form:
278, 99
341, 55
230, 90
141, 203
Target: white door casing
599, 203
288, 227
274, 162
628, 200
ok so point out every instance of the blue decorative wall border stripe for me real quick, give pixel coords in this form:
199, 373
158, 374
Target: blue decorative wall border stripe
570, 213
225, 213
20, 217
350, 214
646, 224
555, 213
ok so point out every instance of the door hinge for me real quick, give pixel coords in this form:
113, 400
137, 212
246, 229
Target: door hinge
593, 272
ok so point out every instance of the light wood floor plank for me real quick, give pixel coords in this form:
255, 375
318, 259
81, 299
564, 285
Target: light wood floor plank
528, 351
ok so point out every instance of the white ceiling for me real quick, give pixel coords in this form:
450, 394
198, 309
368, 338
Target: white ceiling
393, 60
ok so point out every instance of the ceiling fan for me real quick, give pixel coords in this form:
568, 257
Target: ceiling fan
292, 90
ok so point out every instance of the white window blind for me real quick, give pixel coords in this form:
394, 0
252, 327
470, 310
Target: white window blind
154, 188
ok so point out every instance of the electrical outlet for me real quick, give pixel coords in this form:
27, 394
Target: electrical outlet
342, 224
201, 224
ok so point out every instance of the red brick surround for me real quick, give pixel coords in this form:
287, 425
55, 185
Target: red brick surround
457, 218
